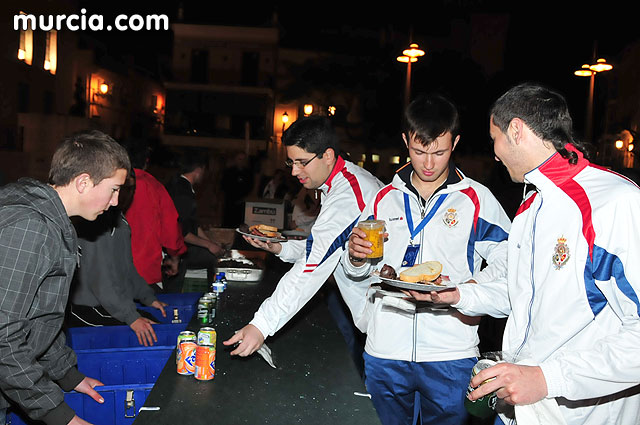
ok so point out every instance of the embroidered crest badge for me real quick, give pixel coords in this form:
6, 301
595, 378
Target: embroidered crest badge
561, 253
450, 217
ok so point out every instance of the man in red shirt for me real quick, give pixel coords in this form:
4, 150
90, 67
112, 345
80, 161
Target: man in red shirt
153, 219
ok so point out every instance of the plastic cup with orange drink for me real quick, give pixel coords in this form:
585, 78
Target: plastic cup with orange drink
374, 229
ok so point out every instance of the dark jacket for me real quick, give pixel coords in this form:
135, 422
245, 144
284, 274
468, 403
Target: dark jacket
38, 256
184, 199
106, 276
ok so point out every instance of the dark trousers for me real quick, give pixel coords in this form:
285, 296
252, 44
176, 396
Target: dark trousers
196, 257
342, 317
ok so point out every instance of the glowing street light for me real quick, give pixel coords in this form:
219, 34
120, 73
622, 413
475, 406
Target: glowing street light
601, 65
584, 71
590, 70
104, 88
413, 51
285, 120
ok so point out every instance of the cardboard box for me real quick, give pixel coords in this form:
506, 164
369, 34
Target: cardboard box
264, 211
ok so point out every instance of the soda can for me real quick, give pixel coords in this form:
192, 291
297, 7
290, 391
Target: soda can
203, 310
205, 362
214, 301
184, 335
187, 357
207, 336
484, 406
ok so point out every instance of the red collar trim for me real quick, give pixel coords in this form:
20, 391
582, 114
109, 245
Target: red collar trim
338, 166
558, 169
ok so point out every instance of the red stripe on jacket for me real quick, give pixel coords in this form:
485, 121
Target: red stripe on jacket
340, 167
471, 193
526, 204
379, 197
562, 174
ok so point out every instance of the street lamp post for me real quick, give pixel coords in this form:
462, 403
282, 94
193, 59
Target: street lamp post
285, 120
409, 56
590, 70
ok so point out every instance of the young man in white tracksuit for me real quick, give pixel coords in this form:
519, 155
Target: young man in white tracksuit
573, 332
432, 212
312, 147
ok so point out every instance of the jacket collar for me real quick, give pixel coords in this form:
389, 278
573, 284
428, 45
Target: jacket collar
403, 177
337, 167
557, 169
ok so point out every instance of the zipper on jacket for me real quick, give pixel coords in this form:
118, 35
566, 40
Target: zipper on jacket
423, 213
533, 286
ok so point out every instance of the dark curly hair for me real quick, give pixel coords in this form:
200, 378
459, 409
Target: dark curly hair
544, 111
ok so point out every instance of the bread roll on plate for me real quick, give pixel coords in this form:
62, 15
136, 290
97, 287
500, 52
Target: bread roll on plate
422, 273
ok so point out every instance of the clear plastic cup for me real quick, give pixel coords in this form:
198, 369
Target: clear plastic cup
375, 234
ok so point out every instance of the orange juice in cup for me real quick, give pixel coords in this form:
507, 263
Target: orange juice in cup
375, 234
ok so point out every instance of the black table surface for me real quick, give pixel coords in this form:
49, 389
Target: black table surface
314, 382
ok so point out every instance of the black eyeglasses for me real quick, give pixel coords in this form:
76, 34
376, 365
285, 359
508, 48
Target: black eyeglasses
298, 163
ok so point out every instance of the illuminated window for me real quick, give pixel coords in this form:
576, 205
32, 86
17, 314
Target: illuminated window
25, 50
51, 52
363, 158
308, 109
394, 160
408, 159
375, 158
360, 164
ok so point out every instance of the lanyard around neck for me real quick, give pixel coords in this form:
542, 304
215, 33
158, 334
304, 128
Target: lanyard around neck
425, 220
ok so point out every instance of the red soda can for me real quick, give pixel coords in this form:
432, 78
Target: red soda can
187, 357
205, 362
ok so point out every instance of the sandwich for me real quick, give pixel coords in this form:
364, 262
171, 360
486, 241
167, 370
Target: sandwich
264, 230
427, 273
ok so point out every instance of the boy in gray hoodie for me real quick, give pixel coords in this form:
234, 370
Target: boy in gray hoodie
38, 256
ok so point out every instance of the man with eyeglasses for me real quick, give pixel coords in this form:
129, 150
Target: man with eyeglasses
312, 148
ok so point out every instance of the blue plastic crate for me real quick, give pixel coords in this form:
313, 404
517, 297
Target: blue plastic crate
124, 366
185, 303
120, 407
83, 338
185, 298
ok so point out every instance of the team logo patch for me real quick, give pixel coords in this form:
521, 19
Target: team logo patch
450, 217
561, 253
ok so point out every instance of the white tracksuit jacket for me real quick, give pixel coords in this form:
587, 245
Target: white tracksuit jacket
467, 224
342, 200
573, 284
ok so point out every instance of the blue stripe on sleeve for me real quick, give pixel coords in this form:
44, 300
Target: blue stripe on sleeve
485, 231
606, 266
340, 241
309, 245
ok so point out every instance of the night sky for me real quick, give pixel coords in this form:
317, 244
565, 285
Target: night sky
543, 44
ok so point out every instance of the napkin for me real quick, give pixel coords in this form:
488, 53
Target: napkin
543, 412
402, 302
265, 352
